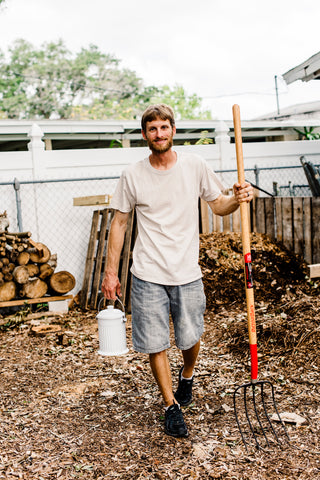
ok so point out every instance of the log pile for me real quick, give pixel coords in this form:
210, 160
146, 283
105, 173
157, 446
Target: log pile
27, 269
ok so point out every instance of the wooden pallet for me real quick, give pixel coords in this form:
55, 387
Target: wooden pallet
95, 261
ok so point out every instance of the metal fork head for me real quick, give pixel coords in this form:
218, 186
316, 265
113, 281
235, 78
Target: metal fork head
259, 405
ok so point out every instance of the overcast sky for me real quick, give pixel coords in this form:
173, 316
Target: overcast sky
226, 51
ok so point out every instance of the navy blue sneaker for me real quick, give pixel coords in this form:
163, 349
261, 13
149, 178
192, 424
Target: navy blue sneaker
183, 394
174, 423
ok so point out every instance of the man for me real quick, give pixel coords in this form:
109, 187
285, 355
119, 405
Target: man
166, 278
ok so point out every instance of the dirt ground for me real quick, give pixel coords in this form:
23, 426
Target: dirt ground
67, 412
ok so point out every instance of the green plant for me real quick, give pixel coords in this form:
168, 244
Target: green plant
308, 133
115, 144
204, 139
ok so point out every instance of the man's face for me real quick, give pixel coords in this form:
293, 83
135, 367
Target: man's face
159, 135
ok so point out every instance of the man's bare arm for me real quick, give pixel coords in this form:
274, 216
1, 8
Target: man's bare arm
224, 205
111, 285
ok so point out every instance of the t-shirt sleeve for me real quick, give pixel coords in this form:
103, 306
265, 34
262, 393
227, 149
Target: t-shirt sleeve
210, 185
123, 198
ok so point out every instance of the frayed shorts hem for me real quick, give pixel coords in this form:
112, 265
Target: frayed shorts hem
166, 347
182, 347
154, 350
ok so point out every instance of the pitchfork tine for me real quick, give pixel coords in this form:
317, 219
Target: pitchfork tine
237, 419
276, 409
257, 415
265, 410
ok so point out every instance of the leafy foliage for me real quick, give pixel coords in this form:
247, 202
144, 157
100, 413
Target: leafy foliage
51, 82
204, 139
308, 133
186, 107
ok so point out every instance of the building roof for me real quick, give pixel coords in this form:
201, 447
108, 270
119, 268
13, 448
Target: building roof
306, 71
299, 112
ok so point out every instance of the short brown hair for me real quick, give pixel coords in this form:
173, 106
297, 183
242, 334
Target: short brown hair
161, 110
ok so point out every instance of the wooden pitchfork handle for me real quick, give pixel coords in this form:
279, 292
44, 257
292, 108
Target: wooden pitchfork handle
245, 233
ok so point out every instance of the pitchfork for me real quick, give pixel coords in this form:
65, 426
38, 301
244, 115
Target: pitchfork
256, 414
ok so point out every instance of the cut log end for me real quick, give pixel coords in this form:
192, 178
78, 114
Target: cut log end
33, 269
41, 253
34, 288
45, 271
7, 291
21, 274
62, 282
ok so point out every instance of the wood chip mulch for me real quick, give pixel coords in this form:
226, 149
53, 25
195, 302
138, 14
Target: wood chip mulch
68, 413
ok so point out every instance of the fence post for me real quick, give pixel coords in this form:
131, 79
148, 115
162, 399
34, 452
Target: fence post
36, 146
256, 174
222, 139
16, 186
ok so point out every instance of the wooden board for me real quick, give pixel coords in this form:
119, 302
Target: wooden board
298, 245
307, 229
14, 303
101, 248
287, 218
204, 217
314, 270
226, 222
91, 200
260, 216
279, 232
270, 220
89, 265
236, 221
315, 230
126, 257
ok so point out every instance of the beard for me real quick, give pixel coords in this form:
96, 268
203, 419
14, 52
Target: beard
160, 148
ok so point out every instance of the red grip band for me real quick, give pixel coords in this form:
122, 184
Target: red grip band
254, 361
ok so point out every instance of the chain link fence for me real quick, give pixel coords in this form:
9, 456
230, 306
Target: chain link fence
286, 181
45, 208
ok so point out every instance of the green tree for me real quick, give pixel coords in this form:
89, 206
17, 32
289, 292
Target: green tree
51, 82
186, 107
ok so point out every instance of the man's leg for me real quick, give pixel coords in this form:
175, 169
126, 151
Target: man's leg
183, 393
174, 422
189, 360
161, 371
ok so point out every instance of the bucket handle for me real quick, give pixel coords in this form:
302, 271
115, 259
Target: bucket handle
117, 299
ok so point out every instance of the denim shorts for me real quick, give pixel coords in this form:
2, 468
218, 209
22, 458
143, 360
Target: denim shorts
151, 305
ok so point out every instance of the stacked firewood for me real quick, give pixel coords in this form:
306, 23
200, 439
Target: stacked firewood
27, 269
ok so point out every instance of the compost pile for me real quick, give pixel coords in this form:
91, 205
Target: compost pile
67, 412
287, 301
278, 274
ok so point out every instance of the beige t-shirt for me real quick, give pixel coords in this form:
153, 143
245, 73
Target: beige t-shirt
166, 250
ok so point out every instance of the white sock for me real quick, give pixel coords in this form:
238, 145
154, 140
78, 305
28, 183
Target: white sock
184, 378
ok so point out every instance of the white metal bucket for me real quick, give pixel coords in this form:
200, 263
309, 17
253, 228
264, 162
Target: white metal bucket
112, 331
